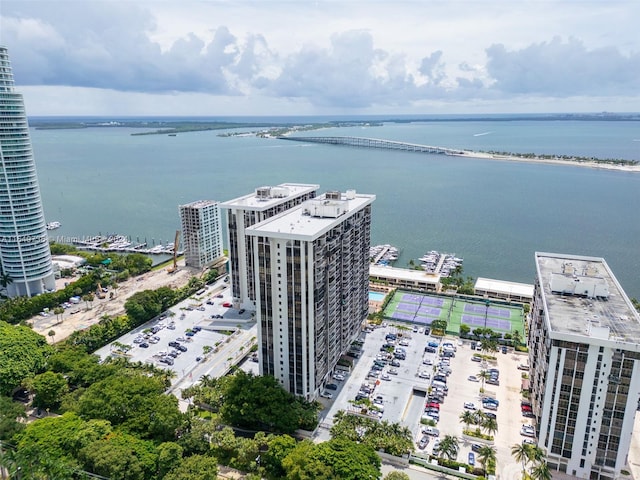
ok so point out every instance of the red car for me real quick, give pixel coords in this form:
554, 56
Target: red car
226, 304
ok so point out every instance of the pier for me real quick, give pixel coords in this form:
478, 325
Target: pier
378, 143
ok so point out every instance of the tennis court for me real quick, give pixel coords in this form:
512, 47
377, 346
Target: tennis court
423, 309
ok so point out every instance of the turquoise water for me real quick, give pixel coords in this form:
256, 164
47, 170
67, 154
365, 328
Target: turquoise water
376, 296
493, 214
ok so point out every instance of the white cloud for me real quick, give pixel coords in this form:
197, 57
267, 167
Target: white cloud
324, 56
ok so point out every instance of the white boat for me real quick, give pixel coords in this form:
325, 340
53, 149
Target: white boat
53, 225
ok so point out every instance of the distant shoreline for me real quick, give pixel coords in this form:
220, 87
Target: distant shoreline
630, 166
274, 129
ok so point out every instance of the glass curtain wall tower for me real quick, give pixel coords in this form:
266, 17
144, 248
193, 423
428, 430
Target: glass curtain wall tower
25, 257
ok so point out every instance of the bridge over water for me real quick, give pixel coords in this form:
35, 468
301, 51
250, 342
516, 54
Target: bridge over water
363, 142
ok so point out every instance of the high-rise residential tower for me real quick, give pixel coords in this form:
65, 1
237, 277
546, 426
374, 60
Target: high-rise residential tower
242, 213
25, 257
201, 233
311, 273
584, 365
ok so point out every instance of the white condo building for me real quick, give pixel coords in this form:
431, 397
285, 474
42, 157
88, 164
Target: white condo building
312, 283
201, 233
25, 256
584, 366
246, 211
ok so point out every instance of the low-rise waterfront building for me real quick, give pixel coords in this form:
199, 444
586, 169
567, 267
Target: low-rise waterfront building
405, 278
584, 359
503, 290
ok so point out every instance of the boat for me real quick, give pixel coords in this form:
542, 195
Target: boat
53, 225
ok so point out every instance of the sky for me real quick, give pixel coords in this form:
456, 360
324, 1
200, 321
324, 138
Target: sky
325, 57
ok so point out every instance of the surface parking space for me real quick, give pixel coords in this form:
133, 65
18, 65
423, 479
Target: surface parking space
213, 323
404, 393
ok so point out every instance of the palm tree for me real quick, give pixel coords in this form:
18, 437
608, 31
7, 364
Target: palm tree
5, 281
541, 471
449, 447
52, 334
516, 337
520, 452
484, 375
467, 418
490, 425
535, 454
486, 455
58, 311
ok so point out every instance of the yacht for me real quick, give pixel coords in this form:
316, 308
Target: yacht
53, 225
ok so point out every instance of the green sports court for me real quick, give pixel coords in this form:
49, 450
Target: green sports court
422, 309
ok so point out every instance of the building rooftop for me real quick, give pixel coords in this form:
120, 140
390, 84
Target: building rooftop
314, 217
200, 204
582, 297
406, 274
502, 286
264, 198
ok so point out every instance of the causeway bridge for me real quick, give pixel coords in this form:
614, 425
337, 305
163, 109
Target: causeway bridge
363, 142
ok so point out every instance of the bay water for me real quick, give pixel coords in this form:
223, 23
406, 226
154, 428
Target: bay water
494, 214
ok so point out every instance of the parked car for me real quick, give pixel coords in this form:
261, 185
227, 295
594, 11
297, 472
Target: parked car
326, 394
504, 350
392, 371
472, 459
144, 345
523, 367
182, 348
476, 447
422, 443
472, 378
433, 431
338, 376
528, 431
476, 358
331, 386
469, 406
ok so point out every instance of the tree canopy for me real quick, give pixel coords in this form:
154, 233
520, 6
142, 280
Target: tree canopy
338, 458
135, 402
23, 353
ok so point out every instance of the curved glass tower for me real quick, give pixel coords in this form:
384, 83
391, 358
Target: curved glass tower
25, 257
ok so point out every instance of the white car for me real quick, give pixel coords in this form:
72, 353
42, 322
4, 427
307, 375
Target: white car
472, 378
326, 394
385, 376
427, 361
528, 431
424, 374
469, 406
338, 376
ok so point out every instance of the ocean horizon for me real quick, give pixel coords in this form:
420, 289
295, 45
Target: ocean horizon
494, 214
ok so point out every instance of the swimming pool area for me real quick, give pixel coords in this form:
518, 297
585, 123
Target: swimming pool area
376, 296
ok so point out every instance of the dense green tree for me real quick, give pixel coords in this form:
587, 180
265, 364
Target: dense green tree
136, 402
169, 457
62, 436
540, 471
23, 353
337, 458
49, 388
195, 437
260, 403
278, 447
79, 368
11, 416
195, 466
120, 456
395, 475
303, 464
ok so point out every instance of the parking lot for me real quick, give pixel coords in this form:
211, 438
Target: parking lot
198, 329
403, 395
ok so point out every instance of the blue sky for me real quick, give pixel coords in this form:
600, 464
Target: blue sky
268, 57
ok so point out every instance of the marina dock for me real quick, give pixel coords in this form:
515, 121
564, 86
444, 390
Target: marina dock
117, 243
